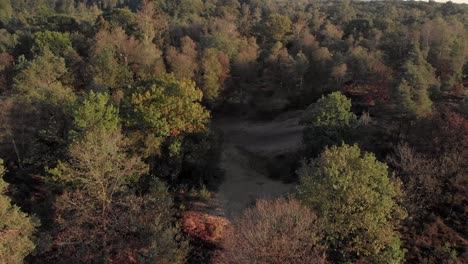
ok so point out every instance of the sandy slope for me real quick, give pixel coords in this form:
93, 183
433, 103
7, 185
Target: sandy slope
246, 146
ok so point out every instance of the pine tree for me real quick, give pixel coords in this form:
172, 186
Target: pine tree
414, 90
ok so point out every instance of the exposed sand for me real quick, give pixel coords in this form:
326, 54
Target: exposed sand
246, 145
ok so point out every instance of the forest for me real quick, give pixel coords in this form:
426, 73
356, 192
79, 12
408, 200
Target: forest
233, 131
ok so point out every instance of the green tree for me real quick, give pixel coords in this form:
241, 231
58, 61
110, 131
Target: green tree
445, 41
17, 228
5, 10
43, 105
7, 41
107, 72
99, 165
117, 58
61, 46
358, 204
146, 61
162, 109
56, 42
41, 77
328, 122
95, 112
343, 11
412, 95
95, 180
215, 66
457, 60
98, 205
277, 27
120, 17
224, 36
185, 9
65, 6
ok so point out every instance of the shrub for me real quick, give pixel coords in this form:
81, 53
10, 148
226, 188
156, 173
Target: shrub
279, 231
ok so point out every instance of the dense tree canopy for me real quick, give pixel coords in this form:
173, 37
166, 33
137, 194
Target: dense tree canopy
111, 110
98, 202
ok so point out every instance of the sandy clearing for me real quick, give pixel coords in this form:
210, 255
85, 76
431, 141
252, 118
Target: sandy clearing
246, 144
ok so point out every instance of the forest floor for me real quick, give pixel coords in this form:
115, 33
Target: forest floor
252, 152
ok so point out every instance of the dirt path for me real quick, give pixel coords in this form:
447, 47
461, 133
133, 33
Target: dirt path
248, 146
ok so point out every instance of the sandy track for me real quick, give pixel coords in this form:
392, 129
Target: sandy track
246, 145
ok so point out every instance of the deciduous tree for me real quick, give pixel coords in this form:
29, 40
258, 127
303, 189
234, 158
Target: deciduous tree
357, 203
277, 27
118, 58
183, 62
44, 103
98, 205
162, 109
215, 67
5, 10
328, 121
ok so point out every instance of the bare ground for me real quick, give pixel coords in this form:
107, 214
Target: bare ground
248, 147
